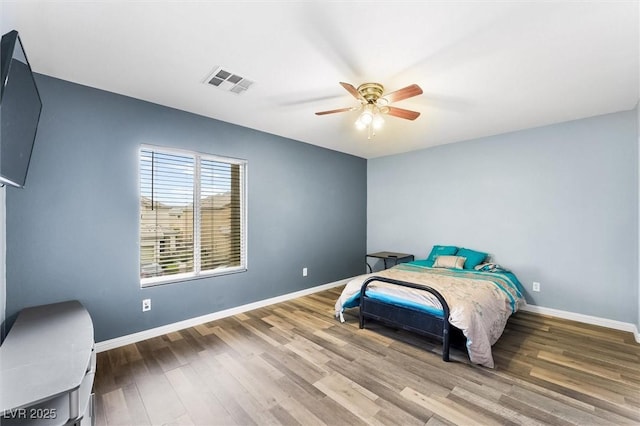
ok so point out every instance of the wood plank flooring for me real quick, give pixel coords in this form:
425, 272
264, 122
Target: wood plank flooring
294, 364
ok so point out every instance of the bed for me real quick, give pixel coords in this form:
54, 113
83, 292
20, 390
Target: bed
439, 301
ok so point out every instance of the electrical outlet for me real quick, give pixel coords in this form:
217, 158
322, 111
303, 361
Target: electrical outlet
536, 286
304, 272
146, 305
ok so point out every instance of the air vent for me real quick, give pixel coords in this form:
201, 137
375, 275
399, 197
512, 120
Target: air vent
228, 81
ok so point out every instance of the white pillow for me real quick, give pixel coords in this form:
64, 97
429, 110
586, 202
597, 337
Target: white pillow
453, 262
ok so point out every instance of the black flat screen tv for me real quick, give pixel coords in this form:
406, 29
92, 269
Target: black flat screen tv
20, 107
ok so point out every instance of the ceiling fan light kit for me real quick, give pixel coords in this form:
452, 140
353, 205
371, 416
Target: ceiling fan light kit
370, 119
373, 104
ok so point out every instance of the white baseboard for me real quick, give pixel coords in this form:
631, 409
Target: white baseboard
588, 319
117, 342
181, 325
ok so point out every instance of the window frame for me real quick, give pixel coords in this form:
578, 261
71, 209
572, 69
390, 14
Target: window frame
243, 188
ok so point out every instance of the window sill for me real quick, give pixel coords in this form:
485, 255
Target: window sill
179, 278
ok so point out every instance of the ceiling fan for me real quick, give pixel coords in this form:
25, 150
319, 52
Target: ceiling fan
373, 104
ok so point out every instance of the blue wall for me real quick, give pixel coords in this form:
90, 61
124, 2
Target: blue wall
72, 232
556, 204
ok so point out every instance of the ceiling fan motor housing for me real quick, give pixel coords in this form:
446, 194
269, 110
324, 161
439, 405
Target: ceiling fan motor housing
371, 92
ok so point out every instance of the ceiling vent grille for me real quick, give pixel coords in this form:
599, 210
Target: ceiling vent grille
228, 81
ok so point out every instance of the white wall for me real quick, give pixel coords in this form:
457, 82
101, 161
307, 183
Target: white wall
556, 204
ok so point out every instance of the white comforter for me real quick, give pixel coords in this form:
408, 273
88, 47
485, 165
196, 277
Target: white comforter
479, 302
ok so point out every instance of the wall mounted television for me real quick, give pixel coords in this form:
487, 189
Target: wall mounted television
20, 107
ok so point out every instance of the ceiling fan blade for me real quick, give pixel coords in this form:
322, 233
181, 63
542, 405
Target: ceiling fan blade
351, 90
407, 92
333, 111
403, 113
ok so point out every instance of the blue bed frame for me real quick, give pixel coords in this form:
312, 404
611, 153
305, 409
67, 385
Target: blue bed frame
408, 318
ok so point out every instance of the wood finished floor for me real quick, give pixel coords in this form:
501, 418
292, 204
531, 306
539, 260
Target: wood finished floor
293, 363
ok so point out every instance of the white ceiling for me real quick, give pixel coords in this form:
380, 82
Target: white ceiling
485, 67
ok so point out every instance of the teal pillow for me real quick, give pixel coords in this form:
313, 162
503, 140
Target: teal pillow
474, 258
440, 251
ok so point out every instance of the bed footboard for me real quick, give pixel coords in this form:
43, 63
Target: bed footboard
407, 318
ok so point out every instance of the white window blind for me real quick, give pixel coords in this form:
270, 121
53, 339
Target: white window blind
192, 215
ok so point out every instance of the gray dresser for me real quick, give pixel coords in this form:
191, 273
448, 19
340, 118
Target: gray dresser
47, 366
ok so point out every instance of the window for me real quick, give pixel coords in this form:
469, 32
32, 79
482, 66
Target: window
192, 215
